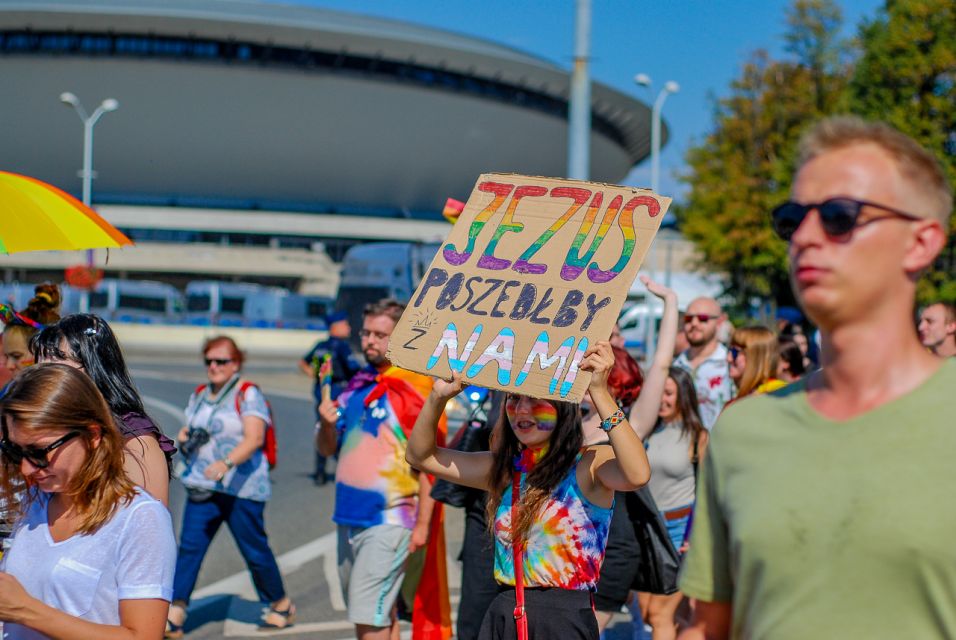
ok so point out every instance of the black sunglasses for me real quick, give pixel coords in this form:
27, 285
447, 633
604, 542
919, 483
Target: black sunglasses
837, 215
37, 456
219, 362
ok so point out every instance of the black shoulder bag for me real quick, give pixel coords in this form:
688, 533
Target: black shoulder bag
659, 560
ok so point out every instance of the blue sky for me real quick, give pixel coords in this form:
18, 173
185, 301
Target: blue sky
701, 44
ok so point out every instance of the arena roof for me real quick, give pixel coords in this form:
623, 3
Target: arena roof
246, 105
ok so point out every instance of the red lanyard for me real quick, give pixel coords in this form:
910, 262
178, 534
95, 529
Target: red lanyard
521, 618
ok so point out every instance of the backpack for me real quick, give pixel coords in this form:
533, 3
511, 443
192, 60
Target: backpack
270, 447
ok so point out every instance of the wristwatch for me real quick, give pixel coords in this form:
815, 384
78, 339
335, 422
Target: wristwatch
612, 420
229, 463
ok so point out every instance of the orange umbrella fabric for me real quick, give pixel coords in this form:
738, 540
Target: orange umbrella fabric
36, 216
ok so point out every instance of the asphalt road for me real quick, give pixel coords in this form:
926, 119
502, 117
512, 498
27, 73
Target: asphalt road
298, 518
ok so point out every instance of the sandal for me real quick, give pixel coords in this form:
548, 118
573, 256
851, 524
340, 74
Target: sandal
286, 617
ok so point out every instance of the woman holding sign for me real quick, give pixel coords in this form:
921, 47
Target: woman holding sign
549, 493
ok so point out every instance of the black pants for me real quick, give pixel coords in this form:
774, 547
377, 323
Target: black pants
478, 586
621, 560
552, 613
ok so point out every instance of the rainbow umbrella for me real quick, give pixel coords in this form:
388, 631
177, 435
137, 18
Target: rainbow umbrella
36, 216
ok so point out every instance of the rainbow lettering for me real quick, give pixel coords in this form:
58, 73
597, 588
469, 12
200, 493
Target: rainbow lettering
501, 191
449, 341
501, 350
539, 351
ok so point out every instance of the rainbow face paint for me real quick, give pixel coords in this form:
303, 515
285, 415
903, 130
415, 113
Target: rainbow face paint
524, 412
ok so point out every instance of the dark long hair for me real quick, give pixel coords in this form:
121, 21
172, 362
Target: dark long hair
565, 443
789, 351
687, 410
93, 345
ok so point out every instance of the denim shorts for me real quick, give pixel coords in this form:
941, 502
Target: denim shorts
677, 527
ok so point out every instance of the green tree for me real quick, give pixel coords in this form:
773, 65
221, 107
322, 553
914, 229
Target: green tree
907, 77
743, 167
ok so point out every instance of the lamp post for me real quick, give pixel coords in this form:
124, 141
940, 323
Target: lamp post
87, 173
579, 104
670, 87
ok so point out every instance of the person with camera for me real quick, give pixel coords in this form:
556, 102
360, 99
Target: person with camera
226, 476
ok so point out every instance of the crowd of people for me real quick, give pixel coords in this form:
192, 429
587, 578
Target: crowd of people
795, 480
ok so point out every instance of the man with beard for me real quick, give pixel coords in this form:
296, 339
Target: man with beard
822, 507
937, 329
382, 506
706, 358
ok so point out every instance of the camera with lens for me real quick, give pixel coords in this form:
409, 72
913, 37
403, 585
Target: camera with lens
196, 439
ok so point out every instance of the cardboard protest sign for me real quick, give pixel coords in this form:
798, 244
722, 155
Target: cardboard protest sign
534, 271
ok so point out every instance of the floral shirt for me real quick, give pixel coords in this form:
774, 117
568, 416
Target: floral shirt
219, 417
565, 546
713, 383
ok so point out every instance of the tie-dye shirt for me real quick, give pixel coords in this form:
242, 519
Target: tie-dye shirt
565, 545
373, 483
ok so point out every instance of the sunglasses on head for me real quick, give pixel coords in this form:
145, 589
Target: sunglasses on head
219, 362
839, 216
700, 317
37, 456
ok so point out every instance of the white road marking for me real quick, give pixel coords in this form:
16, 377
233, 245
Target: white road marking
177, 413
331, 570
289, 562
245, 611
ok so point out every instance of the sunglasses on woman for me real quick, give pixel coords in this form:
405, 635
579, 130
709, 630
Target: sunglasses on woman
37, 456
839, 216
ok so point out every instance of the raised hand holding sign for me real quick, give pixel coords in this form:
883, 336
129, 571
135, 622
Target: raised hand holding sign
533, 273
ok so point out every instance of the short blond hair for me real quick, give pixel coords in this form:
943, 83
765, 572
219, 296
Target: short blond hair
915, 163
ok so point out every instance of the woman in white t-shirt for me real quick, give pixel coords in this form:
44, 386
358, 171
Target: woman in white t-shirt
91, 555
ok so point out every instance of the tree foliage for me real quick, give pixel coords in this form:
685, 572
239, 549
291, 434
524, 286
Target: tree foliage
905, 74
907, 77
743, 168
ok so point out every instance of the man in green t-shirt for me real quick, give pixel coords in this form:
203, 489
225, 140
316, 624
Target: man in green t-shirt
824, 509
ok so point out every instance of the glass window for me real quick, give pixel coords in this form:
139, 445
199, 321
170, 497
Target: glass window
232, 305
198, 302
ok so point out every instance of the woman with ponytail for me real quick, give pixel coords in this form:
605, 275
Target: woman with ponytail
19, 327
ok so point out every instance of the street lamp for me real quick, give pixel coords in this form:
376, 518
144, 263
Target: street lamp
579, 103
87, 173
670, 87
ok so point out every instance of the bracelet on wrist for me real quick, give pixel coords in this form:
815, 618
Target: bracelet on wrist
612, 420
229, 463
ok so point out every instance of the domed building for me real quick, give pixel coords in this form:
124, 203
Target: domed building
260, 141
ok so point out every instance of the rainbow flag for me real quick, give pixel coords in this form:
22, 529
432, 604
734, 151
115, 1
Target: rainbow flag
325, 377
453, 209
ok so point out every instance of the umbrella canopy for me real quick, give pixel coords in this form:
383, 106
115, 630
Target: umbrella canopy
36, 216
